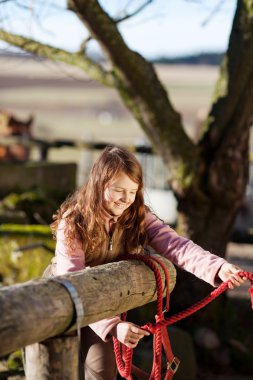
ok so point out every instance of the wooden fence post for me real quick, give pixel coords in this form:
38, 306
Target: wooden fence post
54, 359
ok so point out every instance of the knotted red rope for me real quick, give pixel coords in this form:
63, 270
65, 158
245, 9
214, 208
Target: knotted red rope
124, 354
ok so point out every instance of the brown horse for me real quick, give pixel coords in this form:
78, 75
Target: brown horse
17, 151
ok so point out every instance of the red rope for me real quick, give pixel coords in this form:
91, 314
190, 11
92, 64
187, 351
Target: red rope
124, 354
199, 305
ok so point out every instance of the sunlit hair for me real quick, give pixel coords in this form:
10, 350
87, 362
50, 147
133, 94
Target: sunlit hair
84, 211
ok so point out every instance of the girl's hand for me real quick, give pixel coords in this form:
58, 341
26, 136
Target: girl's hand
229, 272
128, 333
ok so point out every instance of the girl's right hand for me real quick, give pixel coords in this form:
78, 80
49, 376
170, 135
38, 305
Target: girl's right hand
128, 333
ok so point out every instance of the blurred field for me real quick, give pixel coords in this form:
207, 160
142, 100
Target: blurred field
67, 104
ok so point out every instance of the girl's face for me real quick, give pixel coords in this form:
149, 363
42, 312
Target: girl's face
119, 194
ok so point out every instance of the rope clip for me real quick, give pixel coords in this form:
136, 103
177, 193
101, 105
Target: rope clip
173, 365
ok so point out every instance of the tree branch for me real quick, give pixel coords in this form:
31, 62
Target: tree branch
138, 10
214, 11
94, 70
231, 108
142, 93
39, 2
225, 143
84, 44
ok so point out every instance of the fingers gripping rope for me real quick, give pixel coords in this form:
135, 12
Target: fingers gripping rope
124, 358
199, 305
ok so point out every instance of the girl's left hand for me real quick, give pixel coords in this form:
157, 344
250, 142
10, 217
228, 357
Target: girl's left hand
229, 272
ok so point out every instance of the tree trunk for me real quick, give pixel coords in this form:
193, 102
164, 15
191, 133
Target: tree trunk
207, 217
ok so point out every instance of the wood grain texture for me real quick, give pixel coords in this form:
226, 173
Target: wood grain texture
39, 309
54, 359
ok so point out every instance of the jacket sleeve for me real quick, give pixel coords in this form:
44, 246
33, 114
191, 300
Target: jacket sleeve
71, 260
182, 252
67, 259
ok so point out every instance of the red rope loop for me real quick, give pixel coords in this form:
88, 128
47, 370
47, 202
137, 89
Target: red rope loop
124, 354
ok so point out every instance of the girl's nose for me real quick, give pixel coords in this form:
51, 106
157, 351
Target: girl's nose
125, 197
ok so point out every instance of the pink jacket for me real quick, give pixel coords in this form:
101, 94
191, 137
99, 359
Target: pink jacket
164, 240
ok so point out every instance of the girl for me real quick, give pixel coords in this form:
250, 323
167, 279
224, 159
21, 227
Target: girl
107, 218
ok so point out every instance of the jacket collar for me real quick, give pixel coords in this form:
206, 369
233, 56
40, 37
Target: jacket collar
109, 220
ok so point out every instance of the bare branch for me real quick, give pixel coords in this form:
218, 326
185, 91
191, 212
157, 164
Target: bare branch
94, 70
215, 10
134, 13
38, 2
23, 6
84, 44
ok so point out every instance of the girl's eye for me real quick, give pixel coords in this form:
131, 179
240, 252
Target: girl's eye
122, 191
116, 190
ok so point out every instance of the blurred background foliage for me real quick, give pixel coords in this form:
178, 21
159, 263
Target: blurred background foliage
25, 251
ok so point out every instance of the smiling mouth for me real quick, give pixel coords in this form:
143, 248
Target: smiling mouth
120, 205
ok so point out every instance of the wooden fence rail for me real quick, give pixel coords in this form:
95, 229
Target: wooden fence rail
45, 145
39, 309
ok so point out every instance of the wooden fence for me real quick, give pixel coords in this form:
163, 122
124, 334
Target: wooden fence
41, 309
155, 172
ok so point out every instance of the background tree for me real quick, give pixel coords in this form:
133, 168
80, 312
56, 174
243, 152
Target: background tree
209, 177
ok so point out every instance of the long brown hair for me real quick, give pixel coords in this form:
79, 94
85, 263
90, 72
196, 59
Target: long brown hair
84, 210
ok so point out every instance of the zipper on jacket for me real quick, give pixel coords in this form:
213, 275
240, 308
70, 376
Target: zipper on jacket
110, 244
